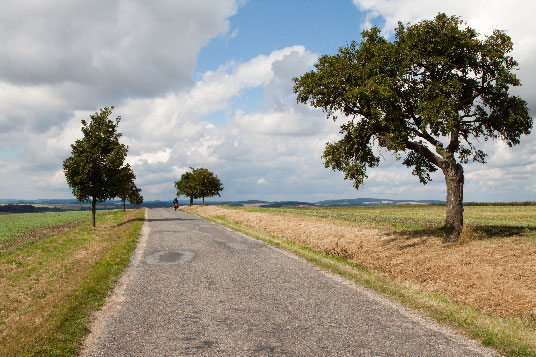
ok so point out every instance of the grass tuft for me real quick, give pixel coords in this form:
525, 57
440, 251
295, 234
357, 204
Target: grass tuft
468, 235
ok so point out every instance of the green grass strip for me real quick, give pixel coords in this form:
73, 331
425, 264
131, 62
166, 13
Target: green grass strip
510, 336
70, 322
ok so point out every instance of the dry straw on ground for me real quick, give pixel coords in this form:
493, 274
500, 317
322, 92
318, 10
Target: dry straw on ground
498, 276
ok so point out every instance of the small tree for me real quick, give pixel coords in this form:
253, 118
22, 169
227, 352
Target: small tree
186, 186
135, 196
125, 183
96, 160
428, 96
207, 184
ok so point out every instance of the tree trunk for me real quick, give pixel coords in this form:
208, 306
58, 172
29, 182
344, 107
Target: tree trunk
454, 221
191, 200
203, 199
124, 205
93, 210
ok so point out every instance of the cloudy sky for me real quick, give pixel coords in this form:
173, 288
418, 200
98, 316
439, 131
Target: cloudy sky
208, 83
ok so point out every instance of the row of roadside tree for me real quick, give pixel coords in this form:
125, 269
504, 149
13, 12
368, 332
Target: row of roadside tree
96, 170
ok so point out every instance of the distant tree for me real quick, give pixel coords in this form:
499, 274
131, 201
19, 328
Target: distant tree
125, 183
207, 184
96, 160
199, 183
429, 96
22, 208
135, 196
186, 186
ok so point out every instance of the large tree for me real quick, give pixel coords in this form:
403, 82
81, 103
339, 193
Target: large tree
430, 96
96, 160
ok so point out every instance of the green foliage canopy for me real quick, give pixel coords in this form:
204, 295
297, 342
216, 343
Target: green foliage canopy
186, 186
96, 160
125, 182
134, 196
428, 97
126, 188
199, 183
207, 183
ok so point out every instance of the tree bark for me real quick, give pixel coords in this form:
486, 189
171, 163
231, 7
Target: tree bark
93, 210
124, 205
454, 220
191, 200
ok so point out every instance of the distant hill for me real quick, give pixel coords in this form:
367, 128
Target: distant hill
47, 205
326, 203
72, 204
374, 202
25, 208
287, 204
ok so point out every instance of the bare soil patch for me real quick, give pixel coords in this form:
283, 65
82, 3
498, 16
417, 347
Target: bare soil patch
493, 275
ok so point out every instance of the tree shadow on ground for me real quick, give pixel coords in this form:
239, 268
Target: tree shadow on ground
130, 221
154, 220
171, 219
497, 231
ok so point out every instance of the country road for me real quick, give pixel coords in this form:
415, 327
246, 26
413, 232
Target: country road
196, 288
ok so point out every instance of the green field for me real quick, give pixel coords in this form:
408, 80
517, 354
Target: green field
14, 225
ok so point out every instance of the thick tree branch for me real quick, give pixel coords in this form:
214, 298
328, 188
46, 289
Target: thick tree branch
422, 133
454, 140
424, 151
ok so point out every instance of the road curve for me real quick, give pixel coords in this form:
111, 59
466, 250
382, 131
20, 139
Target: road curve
197, 289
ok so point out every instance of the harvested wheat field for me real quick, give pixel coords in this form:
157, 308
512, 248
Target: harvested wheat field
496, 275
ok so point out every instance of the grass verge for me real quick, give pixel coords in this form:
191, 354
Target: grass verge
511, 336
51, 286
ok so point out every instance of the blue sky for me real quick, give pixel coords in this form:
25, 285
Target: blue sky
263, 26
208, 83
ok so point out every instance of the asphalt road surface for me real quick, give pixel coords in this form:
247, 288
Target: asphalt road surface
197, 289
